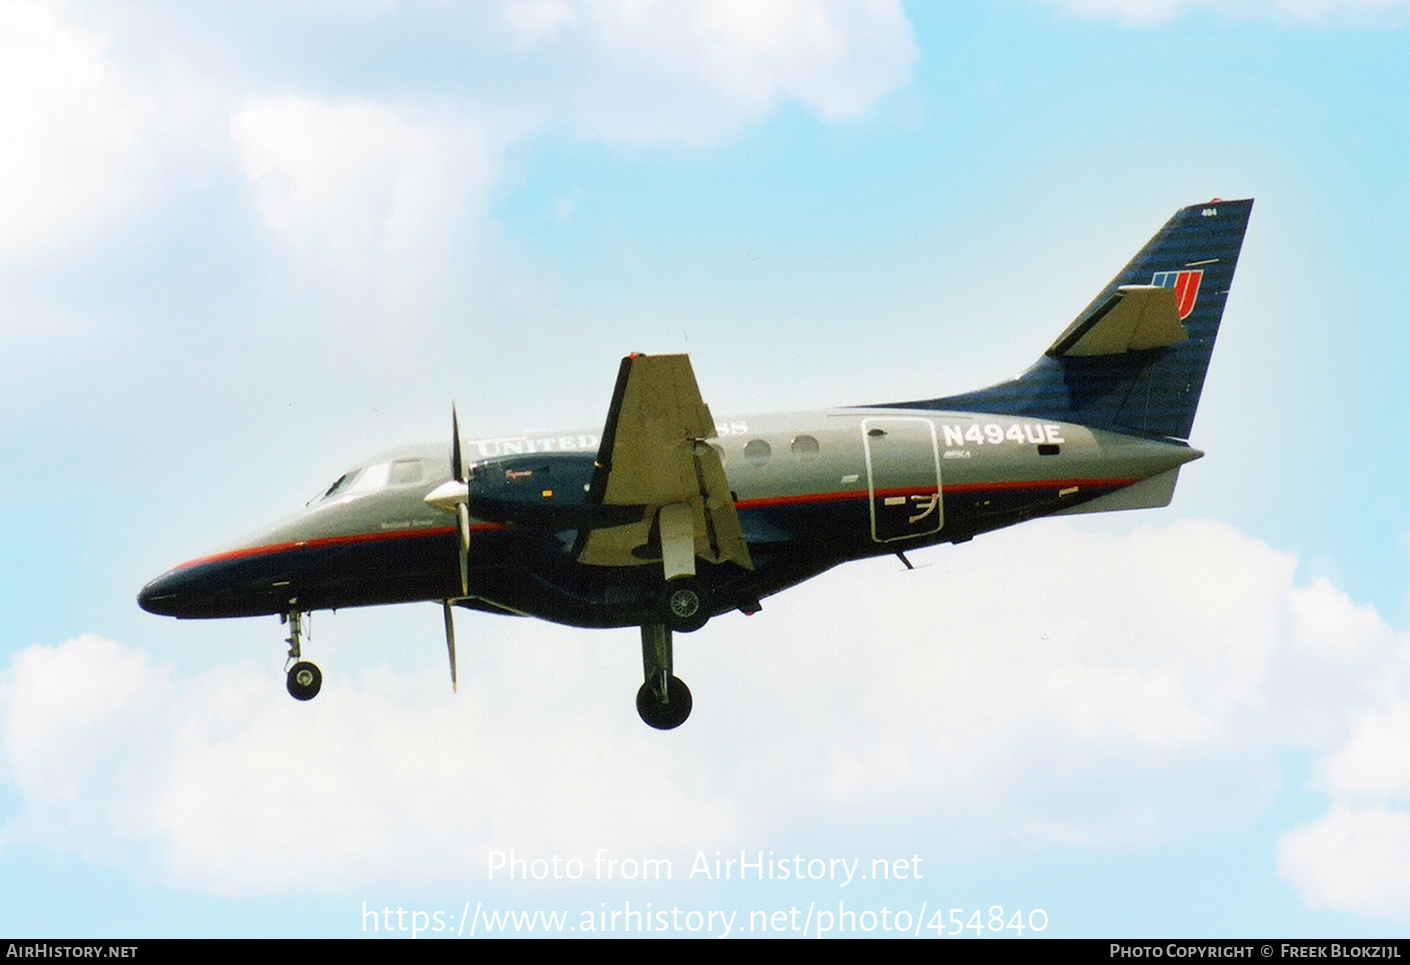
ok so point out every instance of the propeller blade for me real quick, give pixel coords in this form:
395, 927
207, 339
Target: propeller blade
462, 511
450, 643
457, 471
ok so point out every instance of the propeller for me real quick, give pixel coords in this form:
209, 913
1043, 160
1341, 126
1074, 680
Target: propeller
462, 506
454, 496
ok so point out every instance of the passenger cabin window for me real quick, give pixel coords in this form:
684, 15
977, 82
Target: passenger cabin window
757, 451
805, 448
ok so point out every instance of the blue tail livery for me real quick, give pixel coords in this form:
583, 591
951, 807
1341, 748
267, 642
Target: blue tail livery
1170, 299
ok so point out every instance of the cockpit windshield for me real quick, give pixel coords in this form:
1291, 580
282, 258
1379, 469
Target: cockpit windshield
380, 475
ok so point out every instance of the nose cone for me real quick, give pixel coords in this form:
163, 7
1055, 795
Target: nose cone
240, 583
249, 578
236, 584
163, 595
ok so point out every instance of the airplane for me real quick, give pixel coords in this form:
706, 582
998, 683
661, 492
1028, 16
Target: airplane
667, 517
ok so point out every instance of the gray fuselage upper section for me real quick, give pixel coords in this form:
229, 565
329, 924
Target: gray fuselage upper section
778, 458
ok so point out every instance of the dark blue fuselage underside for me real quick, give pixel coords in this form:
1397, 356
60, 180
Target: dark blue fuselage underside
530, 571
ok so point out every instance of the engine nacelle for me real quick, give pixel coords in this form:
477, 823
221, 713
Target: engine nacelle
547, 490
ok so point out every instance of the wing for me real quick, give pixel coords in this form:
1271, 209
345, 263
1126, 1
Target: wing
654, 456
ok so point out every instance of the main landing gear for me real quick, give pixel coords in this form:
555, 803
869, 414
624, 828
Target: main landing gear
663, 700
305, 679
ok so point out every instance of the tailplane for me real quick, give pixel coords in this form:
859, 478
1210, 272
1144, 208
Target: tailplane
1134, 361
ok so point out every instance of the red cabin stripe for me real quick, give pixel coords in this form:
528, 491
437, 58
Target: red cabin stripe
799, 500
807, 498
326, 541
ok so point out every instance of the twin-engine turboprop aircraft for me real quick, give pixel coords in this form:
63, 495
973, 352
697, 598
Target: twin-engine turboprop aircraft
668, 517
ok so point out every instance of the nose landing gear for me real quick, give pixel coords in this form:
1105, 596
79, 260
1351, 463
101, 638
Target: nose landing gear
305, 679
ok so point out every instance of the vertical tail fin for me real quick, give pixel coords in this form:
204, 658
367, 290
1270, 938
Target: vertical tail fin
1134, 361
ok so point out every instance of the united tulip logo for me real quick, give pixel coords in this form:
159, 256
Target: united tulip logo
1186, 285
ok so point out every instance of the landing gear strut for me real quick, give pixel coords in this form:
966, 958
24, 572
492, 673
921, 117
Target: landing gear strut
305, 679
663, 700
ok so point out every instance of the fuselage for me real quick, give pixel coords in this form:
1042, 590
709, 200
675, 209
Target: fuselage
812, 490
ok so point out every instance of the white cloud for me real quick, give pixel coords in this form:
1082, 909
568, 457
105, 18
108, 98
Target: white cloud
1354, 859
1054, 688
226, 785
532, 22
1375, 762
1357, 857
379, 189
694, 71
362, 177
357, 184
1333, 12
389, 197
72, 129
1038, 688
82, 741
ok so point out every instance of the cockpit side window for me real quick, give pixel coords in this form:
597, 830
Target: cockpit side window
406, 471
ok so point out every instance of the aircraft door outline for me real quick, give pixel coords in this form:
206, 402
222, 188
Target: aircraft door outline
903, 477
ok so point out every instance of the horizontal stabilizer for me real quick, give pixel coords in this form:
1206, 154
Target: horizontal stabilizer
1137, 317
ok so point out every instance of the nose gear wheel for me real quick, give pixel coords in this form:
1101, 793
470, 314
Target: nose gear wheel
304, 678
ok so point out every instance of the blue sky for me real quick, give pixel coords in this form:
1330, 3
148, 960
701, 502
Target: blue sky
242, 246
